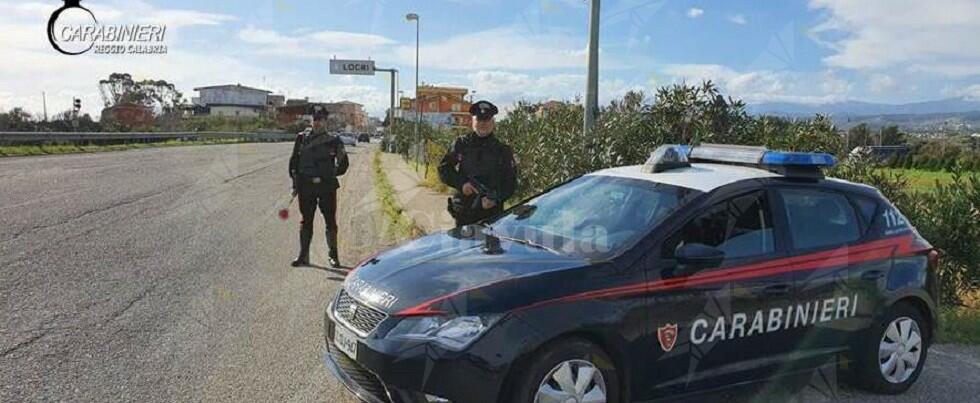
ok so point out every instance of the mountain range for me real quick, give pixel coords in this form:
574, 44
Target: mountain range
951, 114
859, 108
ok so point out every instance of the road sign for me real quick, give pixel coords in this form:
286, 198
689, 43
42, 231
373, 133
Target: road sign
354, 67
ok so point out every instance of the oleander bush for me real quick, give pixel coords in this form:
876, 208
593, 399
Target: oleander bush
550, 148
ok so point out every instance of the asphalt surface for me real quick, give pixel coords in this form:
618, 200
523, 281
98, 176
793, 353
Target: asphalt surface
162, 275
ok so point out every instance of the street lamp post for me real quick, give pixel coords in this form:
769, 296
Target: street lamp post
592, 87
418, 105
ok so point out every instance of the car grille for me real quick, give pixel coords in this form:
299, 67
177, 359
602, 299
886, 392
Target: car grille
364, 378
357, 315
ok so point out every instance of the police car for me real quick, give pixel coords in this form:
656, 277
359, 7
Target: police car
705, 267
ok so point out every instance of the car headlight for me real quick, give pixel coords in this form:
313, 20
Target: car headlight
453, 332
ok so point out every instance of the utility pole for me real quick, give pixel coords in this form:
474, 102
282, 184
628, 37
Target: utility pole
592, 87
391, 107
418, 105
44, 102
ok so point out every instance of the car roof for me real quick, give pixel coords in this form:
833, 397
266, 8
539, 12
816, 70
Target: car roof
707, 176
703, 177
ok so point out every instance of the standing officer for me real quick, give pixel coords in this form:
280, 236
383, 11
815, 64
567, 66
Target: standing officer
480, 168
318, 159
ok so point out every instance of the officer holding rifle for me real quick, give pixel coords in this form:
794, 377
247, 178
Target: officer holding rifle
480, 168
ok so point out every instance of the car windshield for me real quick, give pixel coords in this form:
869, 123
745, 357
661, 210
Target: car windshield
593, 217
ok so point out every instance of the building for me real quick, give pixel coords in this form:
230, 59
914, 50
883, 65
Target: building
275, 101
440, 106
230, 100
344, 115
351, 115
881, 153
546, 108
129, 115
294, 112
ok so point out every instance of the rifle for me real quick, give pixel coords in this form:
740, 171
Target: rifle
481, 192
456, 203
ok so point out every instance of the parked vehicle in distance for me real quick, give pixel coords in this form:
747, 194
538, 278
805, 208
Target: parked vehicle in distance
348, 139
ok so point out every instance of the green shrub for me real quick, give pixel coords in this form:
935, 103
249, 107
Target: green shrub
550, 148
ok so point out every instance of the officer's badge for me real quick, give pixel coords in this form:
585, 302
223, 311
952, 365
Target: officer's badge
667, 335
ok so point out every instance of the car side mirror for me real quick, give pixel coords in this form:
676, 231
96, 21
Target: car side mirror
695, 256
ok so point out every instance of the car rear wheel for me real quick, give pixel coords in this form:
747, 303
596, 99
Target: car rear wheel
895, 352
568, 371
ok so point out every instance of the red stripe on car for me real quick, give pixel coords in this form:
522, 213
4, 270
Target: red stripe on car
843, 256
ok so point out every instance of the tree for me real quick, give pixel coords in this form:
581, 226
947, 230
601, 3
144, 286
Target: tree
160, 95
17, 120
890, 136
858, 136
117, 89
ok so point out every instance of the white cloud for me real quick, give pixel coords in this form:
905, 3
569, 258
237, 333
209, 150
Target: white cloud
695, 12
181, 18
970, 92
764, 85
350, 39
879, 83
504, 88
738, 19
36, 67
319, 44
499, 48
830, 83
508, 48
938, 36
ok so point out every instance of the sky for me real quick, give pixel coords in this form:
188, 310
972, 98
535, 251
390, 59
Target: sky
803, 51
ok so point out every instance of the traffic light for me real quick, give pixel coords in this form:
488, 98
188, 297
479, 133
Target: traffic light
78, 104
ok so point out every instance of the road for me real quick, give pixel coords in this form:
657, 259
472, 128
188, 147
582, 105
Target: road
162, 275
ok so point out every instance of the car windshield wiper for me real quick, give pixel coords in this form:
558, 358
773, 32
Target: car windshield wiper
529, 243
524, 211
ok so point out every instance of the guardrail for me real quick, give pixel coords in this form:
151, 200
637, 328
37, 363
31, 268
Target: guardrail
106, 137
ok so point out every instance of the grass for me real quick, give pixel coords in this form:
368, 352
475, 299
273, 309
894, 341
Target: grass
921, 180
430, 179
959, 325
433, 182
401, 226
51, 149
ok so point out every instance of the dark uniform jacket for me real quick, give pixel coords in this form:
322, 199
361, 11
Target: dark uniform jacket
319, 155
487, 160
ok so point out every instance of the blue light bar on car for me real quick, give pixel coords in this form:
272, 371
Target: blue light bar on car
798, 159
667, 157
728, 153
673, 156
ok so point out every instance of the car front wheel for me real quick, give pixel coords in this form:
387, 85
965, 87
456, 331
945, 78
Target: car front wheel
569, 371
895, 352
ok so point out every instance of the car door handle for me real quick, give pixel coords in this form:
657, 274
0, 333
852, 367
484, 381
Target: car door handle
872, 275
778, 289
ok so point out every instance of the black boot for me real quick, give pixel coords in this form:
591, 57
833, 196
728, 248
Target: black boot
305, 237
332, 248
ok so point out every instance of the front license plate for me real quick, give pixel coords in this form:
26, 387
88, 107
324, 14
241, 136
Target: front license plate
345, 341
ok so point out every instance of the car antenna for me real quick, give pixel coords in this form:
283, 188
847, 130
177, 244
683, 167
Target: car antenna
491, 244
